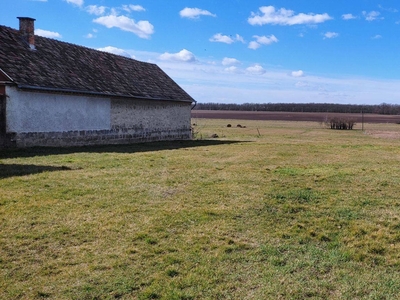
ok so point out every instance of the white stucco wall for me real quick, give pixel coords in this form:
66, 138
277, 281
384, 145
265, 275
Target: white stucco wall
150, 115
44, 112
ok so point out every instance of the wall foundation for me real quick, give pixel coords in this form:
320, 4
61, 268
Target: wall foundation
96, 137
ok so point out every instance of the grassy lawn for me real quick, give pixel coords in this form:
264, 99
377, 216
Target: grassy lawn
276, 210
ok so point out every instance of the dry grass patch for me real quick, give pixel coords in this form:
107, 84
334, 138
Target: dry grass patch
385, 134
276, 210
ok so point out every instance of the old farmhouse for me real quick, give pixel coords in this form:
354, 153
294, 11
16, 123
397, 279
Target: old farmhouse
54, 93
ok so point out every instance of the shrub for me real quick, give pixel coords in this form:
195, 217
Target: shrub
340, 123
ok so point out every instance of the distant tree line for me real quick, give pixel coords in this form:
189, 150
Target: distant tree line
384, 108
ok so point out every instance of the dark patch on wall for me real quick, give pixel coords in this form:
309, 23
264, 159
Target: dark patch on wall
2, 114
4, 139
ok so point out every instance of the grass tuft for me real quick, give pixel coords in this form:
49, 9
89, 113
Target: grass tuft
276, 210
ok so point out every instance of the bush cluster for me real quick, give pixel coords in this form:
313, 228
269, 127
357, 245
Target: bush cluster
340, 123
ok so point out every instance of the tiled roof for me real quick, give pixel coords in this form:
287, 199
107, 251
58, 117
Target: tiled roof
61, 66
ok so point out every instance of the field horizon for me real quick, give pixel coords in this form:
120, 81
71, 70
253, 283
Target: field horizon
292, 116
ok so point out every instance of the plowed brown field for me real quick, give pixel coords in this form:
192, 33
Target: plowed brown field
291, 116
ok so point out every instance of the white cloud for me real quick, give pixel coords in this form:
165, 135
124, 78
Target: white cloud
143, 29
132, 7
348, 17
48, 34
220, 38
239, 38
262, 40
377, 37
182, 56
256, 70
232, 69
282, 16
114, 11
254, 45
230, 61
195, 13
266, 40
90, 36
207, 82
372, 15
75, 2
331, 35
96, 10
301, 84
298, 73
389, 9
117, 51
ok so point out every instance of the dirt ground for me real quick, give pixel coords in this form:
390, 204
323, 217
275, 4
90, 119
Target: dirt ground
291, 116
391, 135
308, 117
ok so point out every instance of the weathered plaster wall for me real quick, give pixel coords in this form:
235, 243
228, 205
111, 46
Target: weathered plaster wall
40, 119
42, 112
150, 115
96, 137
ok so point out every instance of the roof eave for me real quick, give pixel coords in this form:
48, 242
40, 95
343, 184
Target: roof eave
6, 75
72, 91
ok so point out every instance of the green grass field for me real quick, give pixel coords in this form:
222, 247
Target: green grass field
276, 210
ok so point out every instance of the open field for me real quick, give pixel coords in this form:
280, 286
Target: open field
291, 116
276, 210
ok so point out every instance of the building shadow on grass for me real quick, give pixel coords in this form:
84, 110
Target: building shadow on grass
129, 148
12, 170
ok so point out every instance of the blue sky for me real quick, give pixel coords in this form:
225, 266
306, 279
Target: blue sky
238, 51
